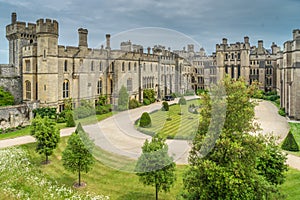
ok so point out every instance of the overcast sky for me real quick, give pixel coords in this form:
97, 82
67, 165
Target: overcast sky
202, 22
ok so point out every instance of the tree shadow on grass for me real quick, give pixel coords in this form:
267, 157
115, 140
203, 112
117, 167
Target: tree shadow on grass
136, 195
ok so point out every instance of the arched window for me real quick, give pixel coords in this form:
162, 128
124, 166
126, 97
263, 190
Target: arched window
28, 90
99, 87
123, 67
66, 66
112, 66
135, 66
129, 66
66, 89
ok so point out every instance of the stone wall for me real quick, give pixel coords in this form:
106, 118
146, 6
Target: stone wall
11, 82
13, 116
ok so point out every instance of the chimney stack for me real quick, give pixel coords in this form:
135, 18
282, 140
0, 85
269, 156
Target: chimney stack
13, 18
148, 49
107, 41
225, 41
246, 39
82, 37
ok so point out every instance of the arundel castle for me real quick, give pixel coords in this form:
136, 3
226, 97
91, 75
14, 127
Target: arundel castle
40, 70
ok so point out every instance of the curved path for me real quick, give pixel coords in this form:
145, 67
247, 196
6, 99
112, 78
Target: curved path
118, 135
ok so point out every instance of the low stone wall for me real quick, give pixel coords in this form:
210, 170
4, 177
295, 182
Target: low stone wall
13, 116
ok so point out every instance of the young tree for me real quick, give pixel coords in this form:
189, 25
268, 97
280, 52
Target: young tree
155, 167
231, 165
77, 156
46, 134
123, 99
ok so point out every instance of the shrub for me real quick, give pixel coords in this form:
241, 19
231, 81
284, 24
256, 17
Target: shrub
146, 102
182, 101
133, 103
290, 143
149, 94
6, 98
45, 112
189, 93
100, 110
165, 106
70, 119
281, 112
145, 120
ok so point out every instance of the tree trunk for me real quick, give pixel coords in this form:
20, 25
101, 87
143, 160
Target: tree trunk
79, 181
156, 191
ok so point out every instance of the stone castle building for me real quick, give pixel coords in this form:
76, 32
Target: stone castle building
40, 70
289, 72
49, 73
250, 62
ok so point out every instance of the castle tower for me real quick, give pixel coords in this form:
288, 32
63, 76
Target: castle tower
47, 84
19, 34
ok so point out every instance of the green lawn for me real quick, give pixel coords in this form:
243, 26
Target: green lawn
182, 123
291, 187
103, 179
26, 131
117, 184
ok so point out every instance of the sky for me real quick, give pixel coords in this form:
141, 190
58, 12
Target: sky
172, 23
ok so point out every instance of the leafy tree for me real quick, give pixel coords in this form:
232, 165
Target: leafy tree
155, 167
77, 156
226, 162
46, 134
70, 122
123, 99
45, 111
102, 100
145, 120
290, 143
6, 98
149, 94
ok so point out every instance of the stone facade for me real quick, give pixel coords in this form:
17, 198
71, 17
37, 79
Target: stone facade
250, 62
289, 71
50, 73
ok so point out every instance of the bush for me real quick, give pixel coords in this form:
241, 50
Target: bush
145, 120
182, 101
189, 93
123, 99
100, 110
146, 102
149, 94
6, 98
45, 112
165, 106
70, 122
289, 143
133, 103
281, 112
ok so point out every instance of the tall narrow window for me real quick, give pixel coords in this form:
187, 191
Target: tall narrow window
27, 62
135, 66
92, 66
129, 66
112, 66
66, 89
123, 67
232, 71
28, 90
129, 84
66, 66
100, 67
226, 69
99, 87
44, 55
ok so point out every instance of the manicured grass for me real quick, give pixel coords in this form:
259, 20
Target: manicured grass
103, 179
26, 131
291, 187
181, 123
295, 129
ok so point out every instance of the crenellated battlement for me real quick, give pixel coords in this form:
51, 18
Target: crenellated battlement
47, 26
21, 29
